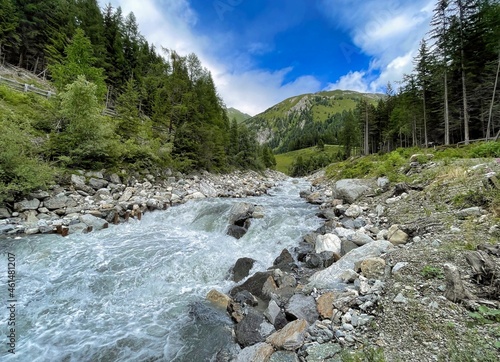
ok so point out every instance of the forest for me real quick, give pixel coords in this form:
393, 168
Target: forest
168, 112
451, 96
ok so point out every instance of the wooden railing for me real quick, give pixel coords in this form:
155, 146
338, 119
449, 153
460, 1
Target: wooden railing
24, 87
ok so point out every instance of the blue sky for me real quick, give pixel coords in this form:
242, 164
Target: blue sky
261, 52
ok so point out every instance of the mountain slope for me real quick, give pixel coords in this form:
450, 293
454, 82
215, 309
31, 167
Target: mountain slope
233, 113
285, 125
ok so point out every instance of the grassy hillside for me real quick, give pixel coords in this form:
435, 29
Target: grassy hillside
279, 125
233, 113
285, 160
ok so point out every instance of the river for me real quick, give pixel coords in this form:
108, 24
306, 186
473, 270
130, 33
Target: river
128, 293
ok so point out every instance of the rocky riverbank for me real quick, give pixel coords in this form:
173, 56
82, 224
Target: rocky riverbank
90, 201
376, 281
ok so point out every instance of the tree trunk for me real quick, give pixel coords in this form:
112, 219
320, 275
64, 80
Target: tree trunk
446, 110
462, 66
367, 144
426, 140
488, 128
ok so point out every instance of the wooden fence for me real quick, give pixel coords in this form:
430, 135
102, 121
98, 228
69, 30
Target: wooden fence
24, 87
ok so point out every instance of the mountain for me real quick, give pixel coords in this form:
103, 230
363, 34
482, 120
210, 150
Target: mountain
238, 115
299, 121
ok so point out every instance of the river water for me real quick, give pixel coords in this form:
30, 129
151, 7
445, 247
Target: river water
135, 291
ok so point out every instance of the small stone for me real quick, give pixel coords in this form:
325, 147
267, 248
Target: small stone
324, 305
347, 327
397, 236
373, 268
397, 268
354, 211
400, 299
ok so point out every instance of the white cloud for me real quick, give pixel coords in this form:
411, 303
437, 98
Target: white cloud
389, 32
243, 87
256, 90
351, 81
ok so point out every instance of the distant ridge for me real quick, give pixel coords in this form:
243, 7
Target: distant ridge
233, 113
277, 123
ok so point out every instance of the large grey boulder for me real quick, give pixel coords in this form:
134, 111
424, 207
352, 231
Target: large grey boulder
255, 285
241, 268
95, 222
4, 213
331, 276
240, 211
27, 205
248, 331
97, 184
350, 190
54, 203
302, 306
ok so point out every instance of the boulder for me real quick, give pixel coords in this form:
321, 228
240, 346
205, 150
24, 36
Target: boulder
331, 277
397, 236
239, 212
346, 246
26, 205
54, 203
260, 352
77, 180
350, 190
4, 213
219, 299
360, 238
302, 306
323, 352
115, 179
353, 211
94, 222
373, 268
470, 212
255, 285
328, 242
291, 337
284, 356
284, 261
324, 304
98, 183
241, 268
236, 231
248, 332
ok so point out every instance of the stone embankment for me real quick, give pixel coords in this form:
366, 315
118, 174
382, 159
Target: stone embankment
339, 288
93, 200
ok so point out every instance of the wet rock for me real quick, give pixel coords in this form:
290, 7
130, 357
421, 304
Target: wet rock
219, 299
259, 352
4, 229
302, 306
285, 261
240, 212
291, 337
246, 298
236, 231
247, 332
242, 268
254, 285
94, 222
79, 228
26, 205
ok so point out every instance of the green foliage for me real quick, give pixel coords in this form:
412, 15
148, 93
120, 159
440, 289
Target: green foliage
84, 135
20, 169
485, 315
79, 61
488, 149
430, 272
